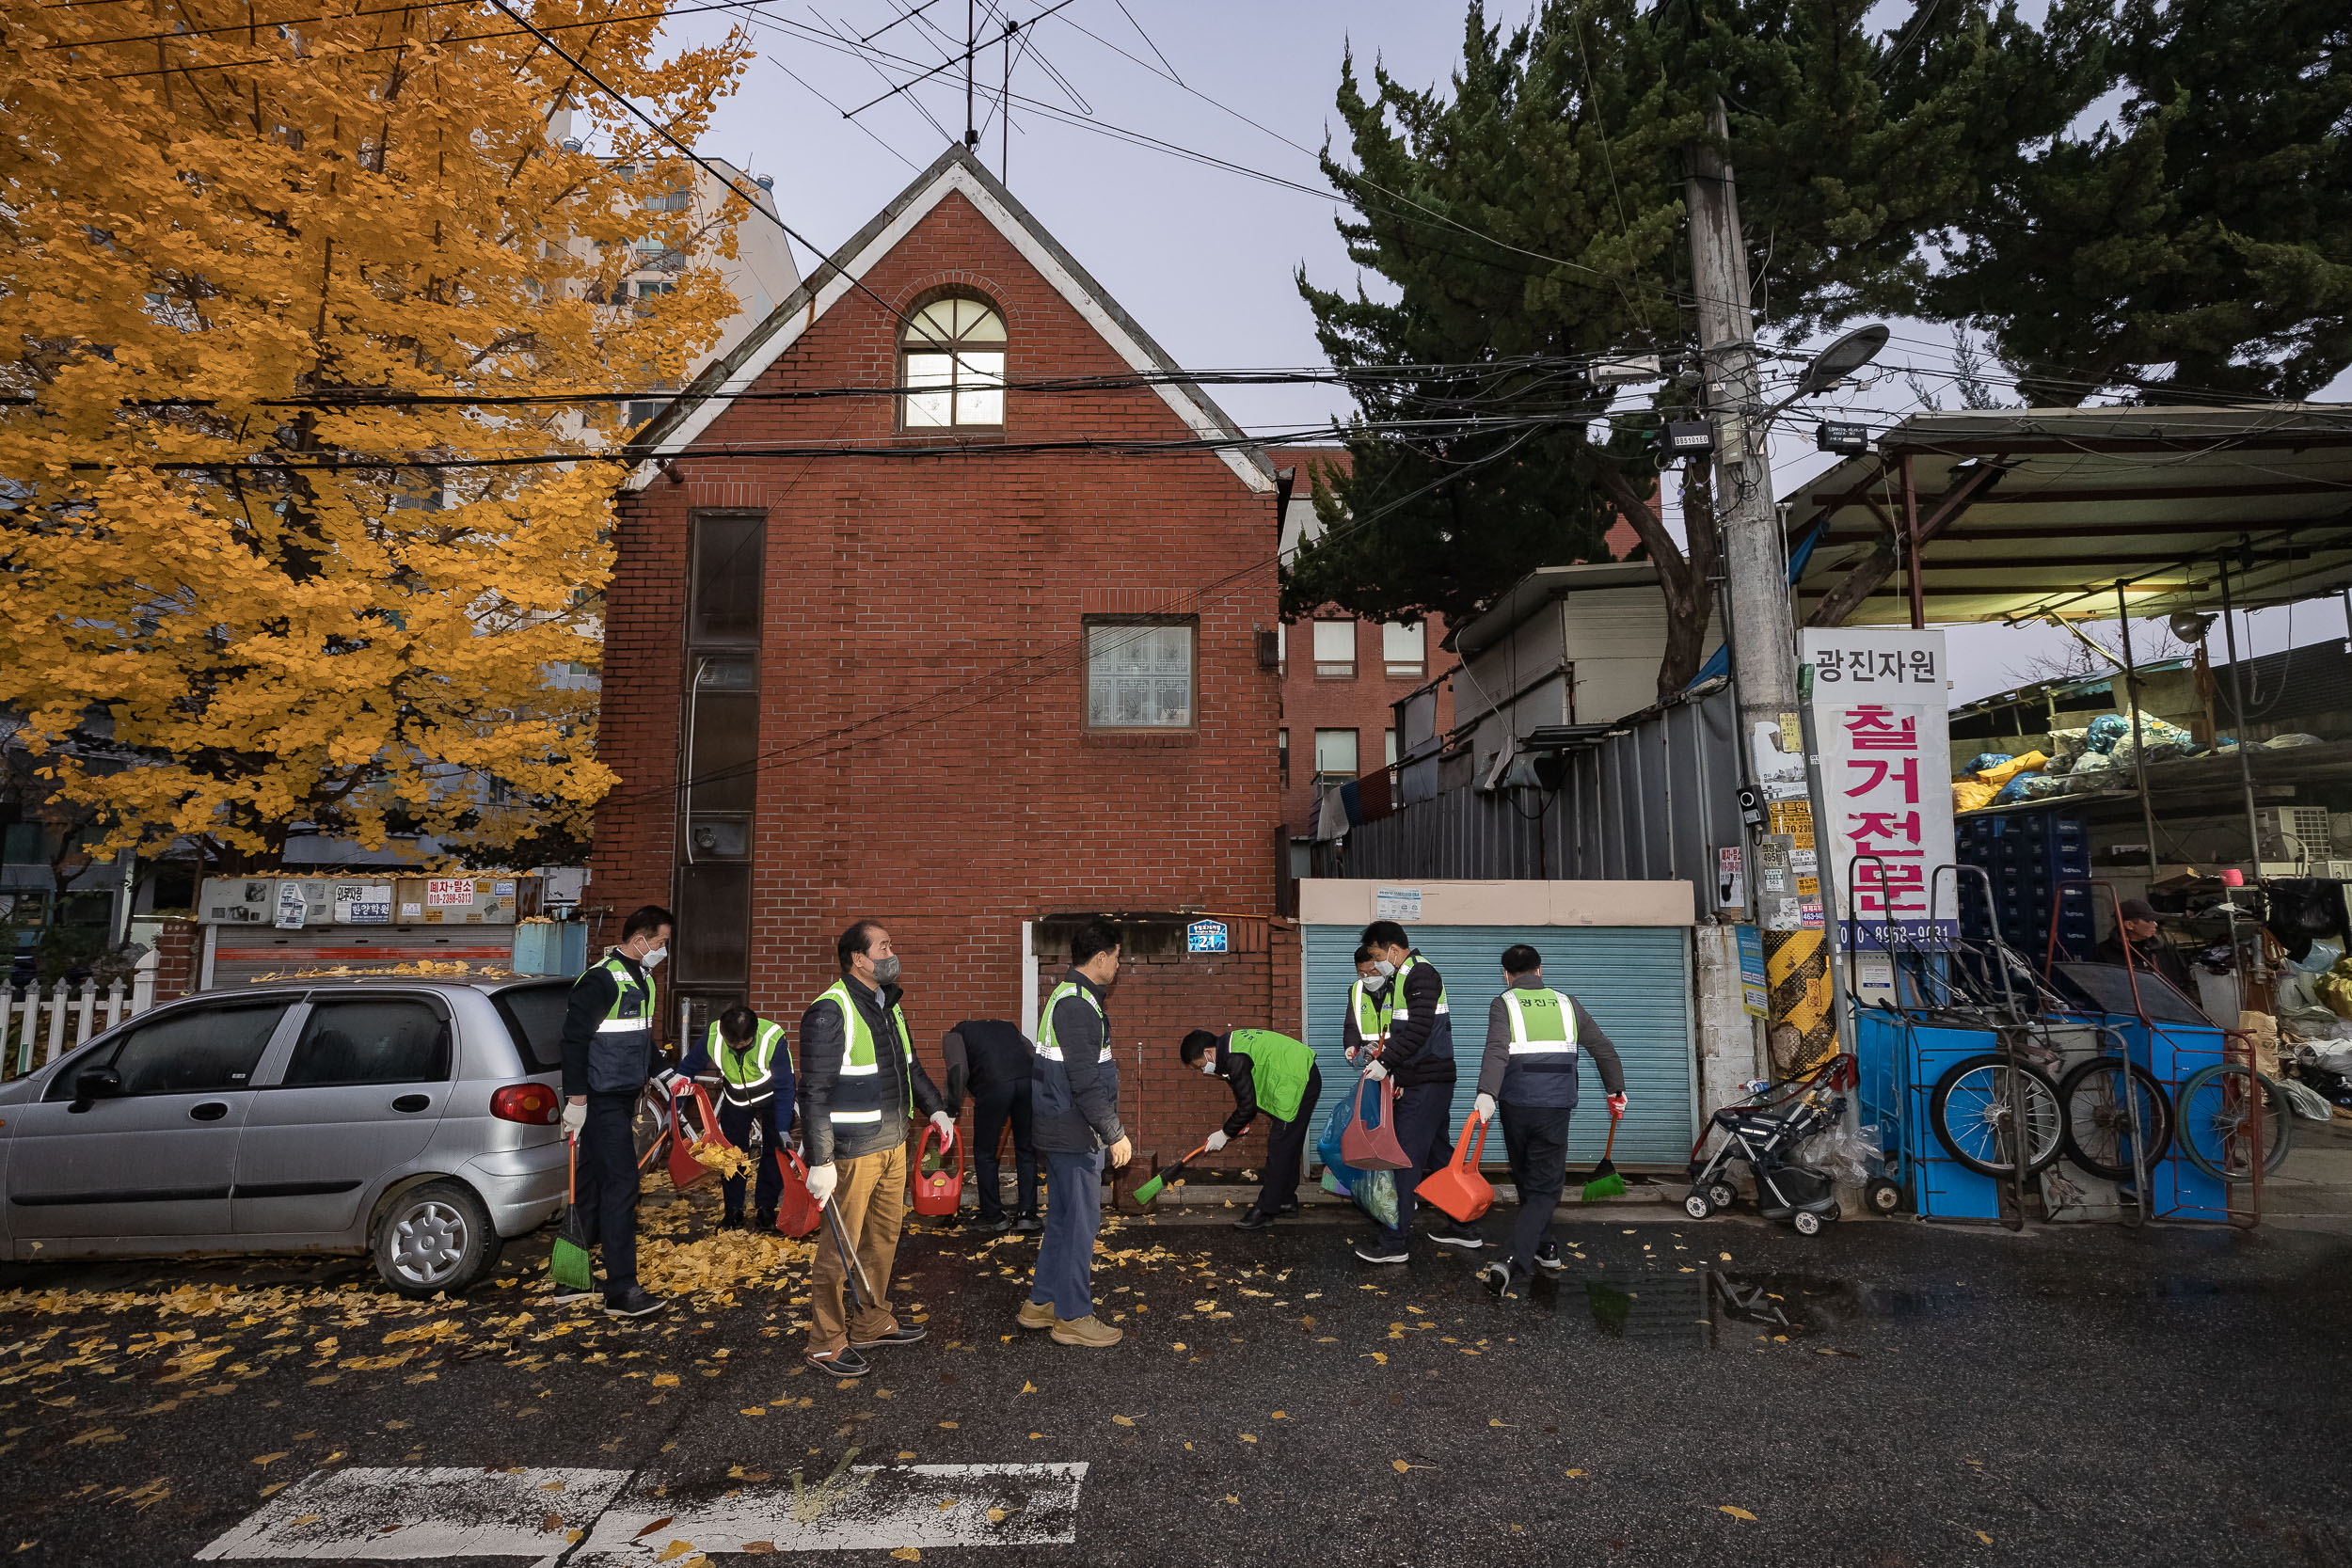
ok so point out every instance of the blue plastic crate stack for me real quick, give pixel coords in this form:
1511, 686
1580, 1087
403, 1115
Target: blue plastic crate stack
2026, 855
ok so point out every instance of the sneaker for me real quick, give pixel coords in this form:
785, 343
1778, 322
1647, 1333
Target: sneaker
1028, 1225
572, 1295
1378, 1251
1464, 1236
845, 1362
637, 1303
1089, 1331
1037, 1314
1252, 1219
732, 1220
766, 1222
1287, 1210
993, 1225
1550, 1259
1502, 1277
901, 1333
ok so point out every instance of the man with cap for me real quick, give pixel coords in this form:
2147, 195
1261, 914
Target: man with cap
2150, 953
1268, 1073
748, 1056
1534, 1038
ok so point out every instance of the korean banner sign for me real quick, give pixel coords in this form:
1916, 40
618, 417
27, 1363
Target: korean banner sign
1879, 714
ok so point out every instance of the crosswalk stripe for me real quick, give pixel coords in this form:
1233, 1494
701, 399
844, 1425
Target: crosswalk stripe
601, 1519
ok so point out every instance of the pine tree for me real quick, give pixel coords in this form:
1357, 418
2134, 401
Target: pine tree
1535, 209
2197, 240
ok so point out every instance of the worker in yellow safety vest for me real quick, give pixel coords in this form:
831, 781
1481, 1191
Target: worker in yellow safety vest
747, 1055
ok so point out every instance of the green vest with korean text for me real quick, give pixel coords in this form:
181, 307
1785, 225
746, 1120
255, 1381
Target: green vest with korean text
1542, 1069
620, 1058
857, 1094
749, 1072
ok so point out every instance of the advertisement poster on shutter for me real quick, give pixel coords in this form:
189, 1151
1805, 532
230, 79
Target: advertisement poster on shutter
449, 893
292, 906
1878, 715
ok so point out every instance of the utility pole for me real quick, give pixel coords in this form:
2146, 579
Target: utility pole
1763, 630
971, 47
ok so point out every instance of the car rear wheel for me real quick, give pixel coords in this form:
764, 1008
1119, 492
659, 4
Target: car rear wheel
436, 1236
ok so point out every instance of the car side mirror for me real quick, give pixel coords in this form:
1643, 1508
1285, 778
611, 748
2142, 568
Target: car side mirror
95, 1084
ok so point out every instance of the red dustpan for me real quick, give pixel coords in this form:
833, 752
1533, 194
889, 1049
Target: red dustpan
1455, 1186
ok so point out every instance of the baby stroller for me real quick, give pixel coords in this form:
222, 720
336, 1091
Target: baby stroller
1764, 1136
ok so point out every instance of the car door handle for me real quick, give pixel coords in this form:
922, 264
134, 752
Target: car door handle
211, 1110
412, 1102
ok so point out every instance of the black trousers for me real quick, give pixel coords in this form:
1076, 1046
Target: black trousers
1286, 1148
992, 1107
1423, 1117
737, 1121
607, 1187
1536, 1140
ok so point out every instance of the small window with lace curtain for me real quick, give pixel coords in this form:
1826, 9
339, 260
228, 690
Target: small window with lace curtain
951, 361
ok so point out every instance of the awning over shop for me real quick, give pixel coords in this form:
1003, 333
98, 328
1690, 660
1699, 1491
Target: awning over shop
2013, 515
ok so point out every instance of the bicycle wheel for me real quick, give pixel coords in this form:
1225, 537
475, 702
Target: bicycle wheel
1970, 1112
2098, 1128
2216, 1116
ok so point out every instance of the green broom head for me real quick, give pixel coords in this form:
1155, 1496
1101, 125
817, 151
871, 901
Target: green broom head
567, 1264
1153, 1188
1606, 1182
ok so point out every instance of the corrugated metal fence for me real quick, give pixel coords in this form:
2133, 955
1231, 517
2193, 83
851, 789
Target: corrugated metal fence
1653, 801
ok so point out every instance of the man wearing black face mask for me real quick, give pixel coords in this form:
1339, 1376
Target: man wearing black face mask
609, 1050
860, 1086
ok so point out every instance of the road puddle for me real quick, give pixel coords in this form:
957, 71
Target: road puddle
1723, 1308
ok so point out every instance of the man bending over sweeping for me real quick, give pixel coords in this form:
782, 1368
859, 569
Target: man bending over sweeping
1534, 1033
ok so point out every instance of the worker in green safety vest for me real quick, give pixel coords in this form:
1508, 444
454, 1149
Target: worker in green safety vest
746, 1053
1366, 1021
1271, 1073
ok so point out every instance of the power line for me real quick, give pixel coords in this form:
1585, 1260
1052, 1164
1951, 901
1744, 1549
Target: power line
925, 710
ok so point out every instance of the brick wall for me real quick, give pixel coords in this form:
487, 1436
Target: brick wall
179, 958
924, 755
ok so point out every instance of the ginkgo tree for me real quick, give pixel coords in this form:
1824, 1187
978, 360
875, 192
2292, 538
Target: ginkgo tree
306, 357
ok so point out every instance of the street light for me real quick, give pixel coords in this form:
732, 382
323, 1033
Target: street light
1834, 363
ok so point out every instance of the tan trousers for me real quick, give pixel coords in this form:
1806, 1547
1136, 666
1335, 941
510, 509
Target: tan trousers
872, 1200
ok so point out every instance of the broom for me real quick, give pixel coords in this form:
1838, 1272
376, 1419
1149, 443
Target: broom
1606, 1182
567, 1260
1152, 1189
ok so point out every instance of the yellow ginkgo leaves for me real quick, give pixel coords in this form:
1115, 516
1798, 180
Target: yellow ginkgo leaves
1735, 1513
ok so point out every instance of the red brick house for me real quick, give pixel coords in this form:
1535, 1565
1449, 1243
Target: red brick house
977, 658
1342, 676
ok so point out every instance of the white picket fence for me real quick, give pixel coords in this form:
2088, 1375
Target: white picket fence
38, 1027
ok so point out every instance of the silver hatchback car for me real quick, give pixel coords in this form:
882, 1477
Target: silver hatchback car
415, 1120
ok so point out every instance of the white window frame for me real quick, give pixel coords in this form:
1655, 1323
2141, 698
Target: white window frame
1328, 664
1405, 649
1189, 625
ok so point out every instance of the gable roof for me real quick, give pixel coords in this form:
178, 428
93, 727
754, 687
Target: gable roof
716, 388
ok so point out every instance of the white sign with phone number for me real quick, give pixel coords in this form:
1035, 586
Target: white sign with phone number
449, 893
1879, 695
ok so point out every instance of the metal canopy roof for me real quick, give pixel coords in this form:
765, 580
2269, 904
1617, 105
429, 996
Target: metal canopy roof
2024, 513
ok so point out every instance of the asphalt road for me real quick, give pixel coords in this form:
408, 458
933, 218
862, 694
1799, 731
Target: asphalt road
1724, 1392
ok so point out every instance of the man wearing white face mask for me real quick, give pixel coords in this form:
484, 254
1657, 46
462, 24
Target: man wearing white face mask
609, 1050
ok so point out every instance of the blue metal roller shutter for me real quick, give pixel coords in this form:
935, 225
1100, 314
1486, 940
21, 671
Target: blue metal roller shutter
1634, 980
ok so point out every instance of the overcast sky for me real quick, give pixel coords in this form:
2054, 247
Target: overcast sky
1203, 256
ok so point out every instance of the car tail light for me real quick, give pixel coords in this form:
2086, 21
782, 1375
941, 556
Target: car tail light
533, 1103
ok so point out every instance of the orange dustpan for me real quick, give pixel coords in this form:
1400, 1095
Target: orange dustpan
1455, 1186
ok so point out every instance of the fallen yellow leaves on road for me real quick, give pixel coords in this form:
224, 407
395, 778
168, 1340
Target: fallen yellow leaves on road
1736, 1512
908, 1554
1124, 1421
267, 1459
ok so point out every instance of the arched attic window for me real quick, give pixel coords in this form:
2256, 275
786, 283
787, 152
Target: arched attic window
955, 345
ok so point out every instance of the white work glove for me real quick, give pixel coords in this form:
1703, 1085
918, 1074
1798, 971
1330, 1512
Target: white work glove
669, 1082
575, 1116
1486, 1107
1616, 1105
947, 1125
821, 1180
1375, 1072
1218, 1140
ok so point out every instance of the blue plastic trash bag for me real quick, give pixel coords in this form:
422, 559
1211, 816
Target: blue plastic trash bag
2105, 730
2017, 789
1986, 759
1375, 1191
1339, 1178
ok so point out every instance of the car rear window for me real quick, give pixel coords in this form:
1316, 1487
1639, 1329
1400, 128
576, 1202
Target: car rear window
534, 1016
